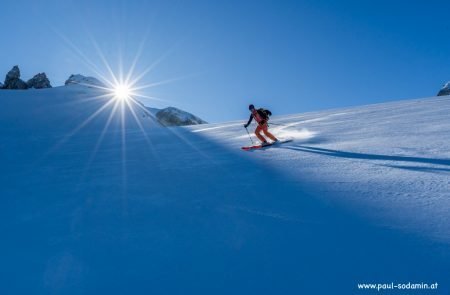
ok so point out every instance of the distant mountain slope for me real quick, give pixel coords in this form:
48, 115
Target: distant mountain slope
169, 116
445, 90
175, 117
83, 80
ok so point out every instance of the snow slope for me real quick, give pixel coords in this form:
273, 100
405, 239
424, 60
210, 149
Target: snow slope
93, 202
388, 161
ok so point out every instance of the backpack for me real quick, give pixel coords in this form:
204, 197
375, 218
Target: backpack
265, 114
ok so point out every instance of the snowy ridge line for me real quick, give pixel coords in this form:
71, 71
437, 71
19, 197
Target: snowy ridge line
217, 127
346, 109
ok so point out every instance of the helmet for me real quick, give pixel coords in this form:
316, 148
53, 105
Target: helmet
251, 107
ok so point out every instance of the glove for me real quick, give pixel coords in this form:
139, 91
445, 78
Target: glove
245, 125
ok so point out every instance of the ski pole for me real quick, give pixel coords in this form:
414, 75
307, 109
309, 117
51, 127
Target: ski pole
249, 135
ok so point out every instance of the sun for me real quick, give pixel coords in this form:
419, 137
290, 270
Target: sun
122, 91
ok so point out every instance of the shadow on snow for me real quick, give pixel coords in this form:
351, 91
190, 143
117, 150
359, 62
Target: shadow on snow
362, 156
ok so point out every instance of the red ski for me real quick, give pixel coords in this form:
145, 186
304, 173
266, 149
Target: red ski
259, 146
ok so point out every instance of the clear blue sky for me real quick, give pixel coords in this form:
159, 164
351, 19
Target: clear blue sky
288, 56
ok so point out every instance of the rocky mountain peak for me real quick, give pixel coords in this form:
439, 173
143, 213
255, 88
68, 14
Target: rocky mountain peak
13, 81
445, 90
39, 81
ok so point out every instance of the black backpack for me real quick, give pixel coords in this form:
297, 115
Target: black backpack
265, 114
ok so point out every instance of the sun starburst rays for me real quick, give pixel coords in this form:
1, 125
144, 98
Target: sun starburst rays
119, 106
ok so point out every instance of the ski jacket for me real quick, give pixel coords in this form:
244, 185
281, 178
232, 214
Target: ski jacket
259, 116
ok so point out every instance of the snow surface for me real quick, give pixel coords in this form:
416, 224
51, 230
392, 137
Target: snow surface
95, 204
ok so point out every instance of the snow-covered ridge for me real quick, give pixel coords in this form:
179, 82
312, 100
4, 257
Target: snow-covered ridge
168, 117
83, 80
172, 116
445, 90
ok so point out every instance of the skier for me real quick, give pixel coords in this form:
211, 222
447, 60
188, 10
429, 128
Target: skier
261, 117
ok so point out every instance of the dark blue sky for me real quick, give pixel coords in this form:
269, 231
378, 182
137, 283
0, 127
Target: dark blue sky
289, 56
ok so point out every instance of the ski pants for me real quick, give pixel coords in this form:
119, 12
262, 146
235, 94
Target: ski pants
264, 128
